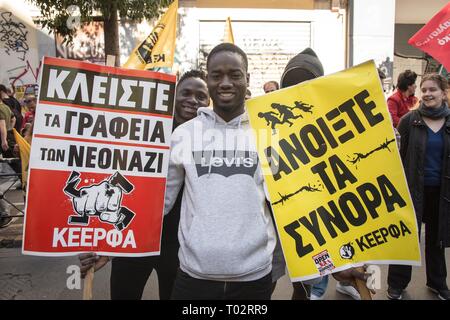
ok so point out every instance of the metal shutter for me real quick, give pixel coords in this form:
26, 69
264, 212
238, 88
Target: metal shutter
269, 45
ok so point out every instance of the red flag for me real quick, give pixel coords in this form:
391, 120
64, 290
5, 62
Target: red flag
434, 37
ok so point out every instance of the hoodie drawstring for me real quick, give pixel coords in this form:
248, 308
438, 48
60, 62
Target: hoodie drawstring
212, 152
210, 161
213, 140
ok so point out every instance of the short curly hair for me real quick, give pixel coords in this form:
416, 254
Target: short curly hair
406, 79
228, 47
192, 74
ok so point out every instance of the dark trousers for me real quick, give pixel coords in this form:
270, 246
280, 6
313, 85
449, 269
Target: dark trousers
189, 288
399, 276
129, 275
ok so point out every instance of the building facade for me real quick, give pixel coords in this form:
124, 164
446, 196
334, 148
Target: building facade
343, 33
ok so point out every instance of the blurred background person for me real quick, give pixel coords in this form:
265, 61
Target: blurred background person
14, 105
30, 103
248, 94
270, 86
403, 99
382, 77
303, 67
7, 146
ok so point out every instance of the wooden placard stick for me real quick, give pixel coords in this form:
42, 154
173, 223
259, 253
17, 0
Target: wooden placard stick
89, 279
361, 286
88, 284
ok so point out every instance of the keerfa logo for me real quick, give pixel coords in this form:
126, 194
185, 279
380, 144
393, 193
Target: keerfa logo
102, 200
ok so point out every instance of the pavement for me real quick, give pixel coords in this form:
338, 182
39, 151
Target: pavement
11, 236
40, 278
50, 278
416, 290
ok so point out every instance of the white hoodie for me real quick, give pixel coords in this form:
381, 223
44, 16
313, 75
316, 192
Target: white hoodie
226, 232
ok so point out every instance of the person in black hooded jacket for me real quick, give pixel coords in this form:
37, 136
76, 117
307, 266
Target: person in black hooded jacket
303, 67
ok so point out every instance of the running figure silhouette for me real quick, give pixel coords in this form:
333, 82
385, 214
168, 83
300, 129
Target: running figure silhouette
285, 112
303, 106
270, 118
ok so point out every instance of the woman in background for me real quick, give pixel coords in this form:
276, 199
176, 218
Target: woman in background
425, 152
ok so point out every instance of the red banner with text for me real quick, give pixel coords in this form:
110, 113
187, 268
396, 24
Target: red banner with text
434, 37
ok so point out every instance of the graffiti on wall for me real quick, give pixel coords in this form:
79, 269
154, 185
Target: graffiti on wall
13, 35
16, 74
18, 47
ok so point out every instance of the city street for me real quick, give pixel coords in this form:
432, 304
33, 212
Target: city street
45, 278
27, 277
229, 125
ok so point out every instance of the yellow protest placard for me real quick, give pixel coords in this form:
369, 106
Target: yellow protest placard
334, 174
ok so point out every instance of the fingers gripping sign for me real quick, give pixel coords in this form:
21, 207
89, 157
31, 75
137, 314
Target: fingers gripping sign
101, 200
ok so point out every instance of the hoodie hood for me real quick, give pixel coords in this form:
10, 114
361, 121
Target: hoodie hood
209, 116
304, 66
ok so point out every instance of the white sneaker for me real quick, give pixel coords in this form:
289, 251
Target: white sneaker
314, 297
348, 290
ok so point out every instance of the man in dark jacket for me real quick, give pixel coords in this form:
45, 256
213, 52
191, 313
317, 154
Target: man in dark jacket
307, 66
129, 275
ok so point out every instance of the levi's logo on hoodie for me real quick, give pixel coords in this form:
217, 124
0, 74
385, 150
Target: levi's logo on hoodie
225, 162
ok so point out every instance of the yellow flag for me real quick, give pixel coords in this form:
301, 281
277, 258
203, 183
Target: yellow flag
24, 148
158, 49
228, 35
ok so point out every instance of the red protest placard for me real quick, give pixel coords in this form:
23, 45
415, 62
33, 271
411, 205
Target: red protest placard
99, 160
434, 37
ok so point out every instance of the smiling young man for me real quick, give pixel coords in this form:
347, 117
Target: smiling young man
129, 275
226, 233
191, 94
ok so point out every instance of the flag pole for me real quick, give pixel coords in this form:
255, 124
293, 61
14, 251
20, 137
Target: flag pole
88, 284
228, 34
362, 287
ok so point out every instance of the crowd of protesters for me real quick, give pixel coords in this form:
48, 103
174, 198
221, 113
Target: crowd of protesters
15, 114
197, 269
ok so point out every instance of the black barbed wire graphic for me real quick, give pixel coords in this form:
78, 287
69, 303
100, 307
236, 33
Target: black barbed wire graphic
284, 198
359, 156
